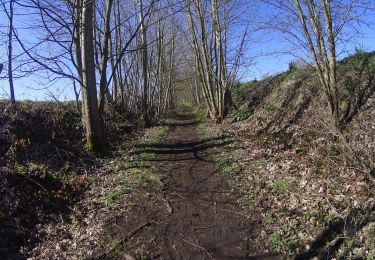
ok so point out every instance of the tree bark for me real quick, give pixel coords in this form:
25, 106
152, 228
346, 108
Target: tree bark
325, 61
92, 121
105, 57
10, 52
145, 109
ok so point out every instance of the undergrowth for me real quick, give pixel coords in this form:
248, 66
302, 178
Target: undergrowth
242, 114
200, 117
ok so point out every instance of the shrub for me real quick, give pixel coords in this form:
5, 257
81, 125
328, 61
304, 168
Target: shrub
242, 114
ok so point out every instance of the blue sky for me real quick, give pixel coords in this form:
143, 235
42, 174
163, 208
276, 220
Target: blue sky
31, 87
277, 63
272, 64
37, 88
269, 43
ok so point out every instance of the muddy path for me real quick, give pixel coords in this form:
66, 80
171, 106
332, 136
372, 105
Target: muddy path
201, 218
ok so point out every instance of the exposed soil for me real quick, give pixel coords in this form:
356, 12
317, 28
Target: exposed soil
201, 219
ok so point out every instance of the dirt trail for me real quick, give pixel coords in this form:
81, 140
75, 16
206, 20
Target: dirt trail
203, 220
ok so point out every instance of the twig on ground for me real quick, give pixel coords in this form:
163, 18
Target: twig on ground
208, 227
334, 209
205, 250
35, 182
124, 239
179, 195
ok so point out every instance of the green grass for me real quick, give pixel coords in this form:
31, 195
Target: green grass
335, 150
285, 245
270, 108
259, 165
244, 86
370, 230
120, 247
21, 170
242, 114
277, 243
156, 137
131, 179
321, 215
133, 175
249, 200
112, 196
283, 187
334, 185
76, 226
269, 220
187, 104
225, 164
200, 116
116, 246
121, 166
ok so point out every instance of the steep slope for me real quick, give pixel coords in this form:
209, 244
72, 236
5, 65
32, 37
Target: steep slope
312, 186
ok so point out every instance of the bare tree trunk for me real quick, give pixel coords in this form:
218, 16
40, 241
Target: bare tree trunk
115, 87
121, 67
220, 77
144, 66
324, 60
335, 109
90, 114
77, 36
10, 51
210, 56
160, 63
104, 61
202, 60
169, 96
77, 48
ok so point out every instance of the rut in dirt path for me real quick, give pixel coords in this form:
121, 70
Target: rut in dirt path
203, 222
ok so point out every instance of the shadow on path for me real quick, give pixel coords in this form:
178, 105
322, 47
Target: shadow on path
202, 219
196, 148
